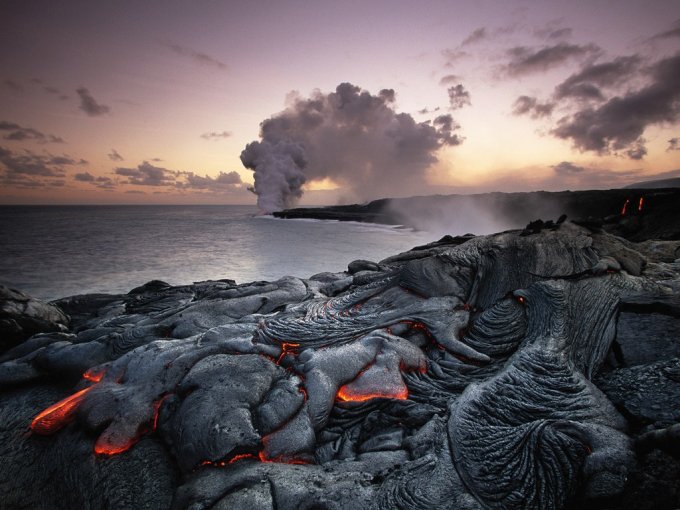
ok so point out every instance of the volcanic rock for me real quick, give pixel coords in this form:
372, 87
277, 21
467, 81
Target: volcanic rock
503, 371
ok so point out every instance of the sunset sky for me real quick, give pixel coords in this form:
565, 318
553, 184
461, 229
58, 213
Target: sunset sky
153, 102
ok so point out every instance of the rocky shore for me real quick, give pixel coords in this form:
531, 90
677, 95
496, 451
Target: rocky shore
646, 213
534, 368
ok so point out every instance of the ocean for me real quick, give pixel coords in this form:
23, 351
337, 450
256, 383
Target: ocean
56, 251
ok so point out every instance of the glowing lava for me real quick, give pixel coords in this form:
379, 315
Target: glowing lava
640, 204
107, 449
347, 395
58, 415
286, 348
625, 207
94, 375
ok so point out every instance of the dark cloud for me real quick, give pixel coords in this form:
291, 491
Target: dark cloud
618, 124
527, 105
114, 156
673, 144
89, 105
29, 163
446, 128
350, 136
147, 174
199, 57
476, 36
587, 83
15, 132
525, 60
29, 170
225, 181
458, 96
449, 79
84, 177
221, 135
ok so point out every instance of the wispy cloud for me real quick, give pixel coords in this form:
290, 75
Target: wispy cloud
216, 135
17, 133
114, 156
524, 60
198, 57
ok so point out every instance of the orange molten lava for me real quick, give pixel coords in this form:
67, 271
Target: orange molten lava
94, 375
156, 409
640, 204
625, 207
58, 415
108, 449
286, 348
346, 395
521, 300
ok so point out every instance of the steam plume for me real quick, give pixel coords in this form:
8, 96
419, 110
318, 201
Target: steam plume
352, 137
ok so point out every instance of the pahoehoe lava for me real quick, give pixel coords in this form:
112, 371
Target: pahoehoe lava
527, 369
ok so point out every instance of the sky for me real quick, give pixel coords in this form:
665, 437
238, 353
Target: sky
161, 101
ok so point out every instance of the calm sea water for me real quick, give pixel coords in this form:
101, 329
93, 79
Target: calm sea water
56, 251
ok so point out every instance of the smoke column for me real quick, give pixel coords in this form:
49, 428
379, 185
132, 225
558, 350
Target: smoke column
352, 137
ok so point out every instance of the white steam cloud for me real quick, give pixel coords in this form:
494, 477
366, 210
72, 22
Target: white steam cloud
350, 136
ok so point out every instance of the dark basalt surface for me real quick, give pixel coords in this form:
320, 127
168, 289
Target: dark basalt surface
659, 217
536, 368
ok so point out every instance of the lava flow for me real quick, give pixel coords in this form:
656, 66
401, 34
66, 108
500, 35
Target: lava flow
58, 415
94, 375
625, 207
347, 395
640, 204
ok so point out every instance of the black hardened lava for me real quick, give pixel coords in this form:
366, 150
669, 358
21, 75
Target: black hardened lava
534, 369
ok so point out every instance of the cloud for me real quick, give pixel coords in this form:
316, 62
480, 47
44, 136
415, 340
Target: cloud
19, 133
12, 85
84, 177
446, 128
29, 163
476, 36
668, 34
89, 105
49, 89
449, 79
114, 156
567, 168
587, 83
458, 96
618, 123
527, 105
224, 181
27, 169
451, 56
524, 61
199, 57
216, 135
147, 174
673, 144
349, 136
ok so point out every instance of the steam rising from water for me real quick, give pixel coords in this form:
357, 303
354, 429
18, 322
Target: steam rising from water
350, 136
